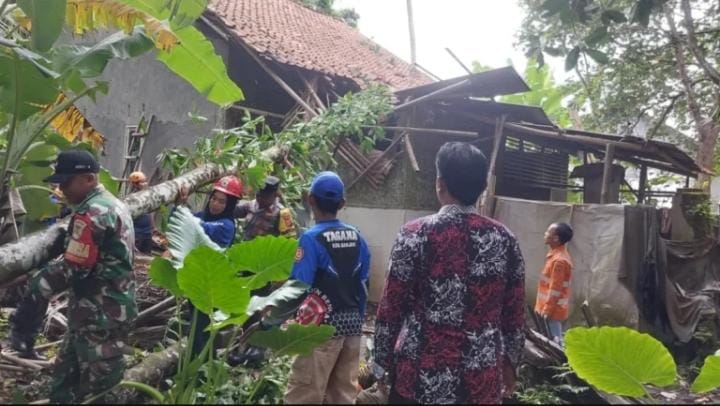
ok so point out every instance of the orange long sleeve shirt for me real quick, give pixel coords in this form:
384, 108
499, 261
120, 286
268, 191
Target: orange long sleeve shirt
554, 287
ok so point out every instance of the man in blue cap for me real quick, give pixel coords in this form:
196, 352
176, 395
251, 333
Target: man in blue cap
334, 259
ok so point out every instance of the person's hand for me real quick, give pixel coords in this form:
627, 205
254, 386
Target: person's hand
183, 195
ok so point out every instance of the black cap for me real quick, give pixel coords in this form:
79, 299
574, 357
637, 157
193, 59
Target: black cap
73, 162
271, 185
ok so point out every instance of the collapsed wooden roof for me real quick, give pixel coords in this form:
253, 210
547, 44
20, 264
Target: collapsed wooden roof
456, 103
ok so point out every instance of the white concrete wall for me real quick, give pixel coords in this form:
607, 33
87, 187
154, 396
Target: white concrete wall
715, 193
379, 227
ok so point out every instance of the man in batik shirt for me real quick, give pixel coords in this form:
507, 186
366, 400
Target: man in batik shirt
450, 323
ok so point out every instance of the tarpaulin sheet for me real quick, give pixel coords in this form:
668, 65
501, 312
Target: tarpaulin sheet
596, 250
693, 291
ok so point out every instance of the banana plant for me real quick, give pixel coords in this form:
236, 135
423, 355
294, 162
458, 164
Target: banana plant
40, 80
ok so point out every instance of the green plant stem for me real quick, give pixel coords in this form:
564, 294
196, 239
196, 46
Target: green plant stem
647, 393
256, 387
11, 131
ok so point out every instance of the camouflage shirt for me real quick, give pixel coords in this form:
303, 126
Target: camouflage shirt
98, 263
275, 220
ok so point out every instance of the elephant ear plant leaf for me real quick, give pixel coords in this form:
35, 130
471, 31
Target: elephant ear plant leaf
208, 277
619, 360
185, 234
709, 378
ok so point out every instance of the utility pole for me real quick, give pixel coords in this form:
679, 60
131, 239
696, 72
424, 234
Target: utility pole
411, 26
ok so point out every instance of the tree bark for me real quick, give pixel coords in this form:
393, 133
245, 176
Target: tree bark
36, 249
707, 129
155, 366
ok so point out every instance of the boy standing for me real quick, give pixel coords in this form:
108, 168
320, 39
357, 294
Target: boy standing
334, 259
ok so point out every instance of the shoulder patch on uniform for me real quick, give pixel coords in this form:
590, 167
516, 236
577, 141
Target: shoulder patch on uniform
299, 254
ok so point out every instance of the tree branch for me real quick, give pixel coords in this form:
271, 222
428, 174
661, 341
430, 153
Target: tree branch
693, 45
664, 115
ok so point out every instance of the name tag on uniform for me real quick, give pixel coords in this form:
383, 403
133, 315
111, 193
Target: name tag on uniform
82, 250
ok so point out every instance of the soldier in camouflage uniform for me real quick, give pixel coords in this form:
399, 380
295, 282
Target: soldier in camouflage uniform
264, 216
96, 269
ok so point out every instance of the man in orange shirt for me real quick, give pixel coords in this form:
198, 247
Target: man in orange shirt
554, 287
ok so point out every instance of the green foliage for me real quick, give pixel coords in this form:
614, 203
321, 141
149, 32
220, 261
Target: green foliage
195, 60
544, 93
267, 389
540, 395
297, 339
209, 280
270, 259
619, 360
163, 274
309, 145
349, 15
184, 234
709, 378
47, 18
110, 183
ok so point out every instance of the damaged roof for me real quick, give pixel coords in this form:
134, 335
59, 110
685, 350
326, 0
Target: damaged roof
289, 33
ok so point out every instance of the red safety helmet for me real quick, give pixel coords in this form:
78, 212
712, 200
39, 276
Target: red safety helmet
230, 185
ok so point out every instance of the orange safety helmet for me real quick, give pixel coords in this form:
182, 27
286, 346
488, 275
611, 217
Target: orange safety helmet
230, 185
137, 177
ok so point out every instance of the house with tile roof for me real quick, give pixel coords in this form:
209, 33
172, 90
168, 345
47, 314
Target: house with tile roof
289, 60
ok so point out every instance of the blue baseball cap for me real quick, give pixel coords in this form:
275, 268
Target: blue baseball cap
328, 185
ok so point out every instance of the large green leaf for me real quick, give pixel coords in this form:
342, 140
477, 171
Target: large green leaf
48, 17
641, 11
296, 340
24, 87
36, 201
598, 56
269, 258
184, 234
571, 59
106, 179
164, 275
280, 298
613, 16
195, 60
619, 360
209, 281
91, 61
709, 378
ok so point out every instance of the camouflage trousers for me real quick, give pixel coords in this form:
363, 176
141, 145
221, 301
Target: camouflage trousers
89, 362
90, 359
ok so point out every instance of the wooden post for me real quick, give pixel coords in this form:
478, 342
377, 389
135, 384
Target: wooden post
643, 184
607, 173
411, 153
487, 201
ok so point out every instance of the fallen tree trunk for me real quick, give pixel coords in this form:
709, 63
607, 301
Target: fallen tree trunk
36, 249
155, 366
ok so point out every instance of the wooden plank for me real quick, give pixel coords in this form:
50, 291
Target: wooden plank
411, 153
643, 184
432, 94
258, 111
311, 87
438, 131
607, 173
487, 202
374, 162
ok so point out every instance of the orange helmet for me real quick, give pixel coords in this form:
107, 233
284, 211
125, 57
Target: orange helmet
137, 177
230, 185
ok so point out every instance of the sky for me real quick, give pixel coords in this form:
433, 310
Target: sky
475, 30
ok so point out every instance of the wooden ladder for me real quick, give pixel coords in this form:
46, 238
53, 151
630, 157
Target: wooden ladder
135, 136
